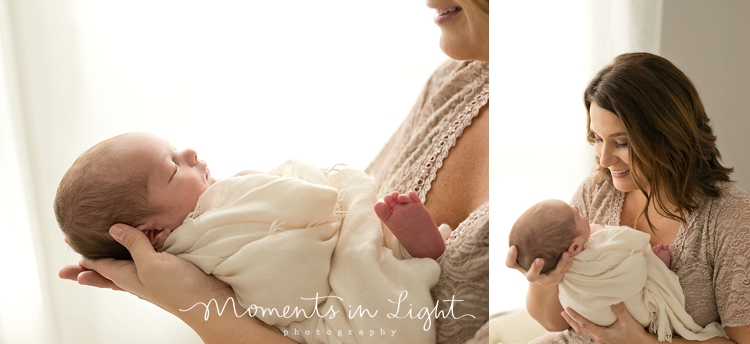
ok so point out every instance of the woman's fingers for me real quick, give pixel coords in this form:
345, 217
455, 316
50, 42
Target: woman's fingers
134, 240
552, 277
94, 279
578, 323
565, 262
161, 278
535, 270
85, 276
624, 330
534, 274
621, 312
511, 259
570, 321
70, 272
122, 274
109, 273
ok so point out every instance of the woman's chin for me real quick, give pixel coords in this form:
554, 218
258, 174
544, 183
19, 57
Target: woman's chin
624, 185
459, 48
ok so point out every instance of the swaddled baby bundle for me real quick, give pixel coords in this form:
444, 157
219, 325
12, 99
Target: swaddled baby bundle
618, 265
303, 250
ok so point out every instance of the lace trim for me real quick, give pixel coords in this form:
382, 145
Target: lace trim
468, 222
616, 209
675, 250
442, 143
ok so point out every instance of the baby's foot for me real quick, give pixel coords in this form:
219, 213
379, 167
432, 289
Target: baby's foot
411, 223
662, 251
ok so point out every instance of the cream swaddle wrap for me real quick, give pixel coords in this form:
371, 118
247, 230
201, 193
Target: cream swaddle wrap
618, 265
282, 239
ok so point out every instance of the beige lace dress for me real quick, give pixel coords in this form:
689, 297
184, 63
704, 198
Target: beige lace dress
410, 161
711, 256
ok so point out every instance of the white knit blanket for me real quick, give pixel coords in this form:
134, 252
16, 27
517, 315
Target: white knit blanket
307, 241
617, 265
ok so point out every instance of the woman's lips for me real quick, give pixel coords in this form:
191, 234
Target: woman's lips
620, 173
446, 14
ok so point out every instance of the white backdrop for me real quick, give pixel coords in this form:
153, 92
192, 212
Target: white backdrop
549, 52
246, 84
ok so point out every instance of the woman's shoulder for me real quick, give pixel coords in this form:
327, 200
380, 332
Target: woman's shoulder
732, 198
724, 218
733, 204
730, 190
716, 245
599, 200
455, 89
450, 89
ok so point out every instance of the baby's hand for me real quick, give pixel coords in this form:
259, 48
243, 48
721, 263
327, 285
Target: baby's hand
662, 251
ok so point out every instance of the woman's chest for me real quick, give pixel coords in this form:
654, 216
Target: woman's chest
462, 183
693, 246
692, 258
662, 229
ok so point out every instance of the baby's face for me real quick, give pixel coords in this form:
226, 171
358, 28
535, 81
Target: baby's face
582, 224
176, 178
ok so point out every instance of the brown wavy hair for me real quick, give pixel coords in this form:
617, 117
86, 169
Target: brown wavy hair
95, 193
483, 5
671, 143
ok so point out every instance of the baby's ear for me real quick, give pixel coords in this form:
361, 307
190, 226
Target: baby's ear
150, 232
575, 248
157, 237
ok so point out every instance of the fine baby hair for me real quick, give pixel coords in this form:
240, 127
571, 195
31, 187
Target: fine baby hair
544, 230
99, 190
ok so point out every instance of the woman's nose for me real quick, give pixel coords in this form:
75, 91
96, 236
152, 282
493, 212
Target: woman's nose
606, 158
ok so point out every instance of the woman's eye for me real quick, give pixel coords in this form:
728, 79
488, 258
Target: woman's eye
621, 145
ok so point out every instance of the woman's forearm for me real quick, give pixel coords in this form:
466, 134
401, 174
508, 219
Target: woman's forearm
544, 306
715, 340
676, 340
229, 328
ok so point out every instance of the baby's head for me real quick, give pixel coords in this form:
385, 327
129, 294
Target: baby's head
546, 230
136, 179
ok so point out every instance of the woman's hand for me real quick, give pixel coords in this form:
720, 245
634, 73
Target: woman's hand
172, 284
553, 277
160, 278
624, 330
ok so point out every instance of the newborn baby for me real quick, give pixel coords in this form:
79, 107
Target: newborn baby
611, 264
